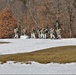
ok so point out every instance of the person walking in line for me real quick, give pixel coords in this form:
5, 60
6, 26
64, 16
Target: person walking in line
58, 32
16, 32
33, 34
51, 31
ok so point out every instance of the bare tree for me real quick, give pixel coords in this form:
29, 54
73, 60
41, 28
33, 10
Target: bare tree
47, 11
58, 14
70, 9
32, 11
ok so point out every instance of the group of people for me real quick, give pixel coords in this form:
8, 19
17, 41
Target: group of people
44, 33
41, 33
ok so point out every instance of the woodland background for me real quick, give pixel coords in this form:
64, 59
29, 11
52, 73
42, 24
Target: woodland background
37, 14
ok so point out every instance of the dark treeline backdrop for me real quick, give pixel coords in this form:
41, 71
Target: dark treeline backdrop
37, 14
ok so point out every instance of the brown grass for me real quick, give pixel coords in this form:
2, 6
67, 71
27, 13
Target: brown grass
65, 54
4, 42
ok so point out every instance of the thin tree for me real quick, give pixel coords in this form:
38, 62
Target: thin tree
58, 13
70, 12
32, 11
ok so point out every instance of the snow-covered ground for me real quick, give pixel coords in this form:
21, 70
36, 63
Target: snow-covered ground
29, 45
36, 68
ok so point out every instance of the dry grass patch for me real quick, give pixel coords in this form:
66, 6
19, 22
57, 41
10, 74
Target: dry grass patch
4, 42
66, 54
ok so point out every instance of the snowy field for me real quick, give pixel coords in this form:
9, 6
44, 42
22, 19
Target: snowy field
29, 45
36, 68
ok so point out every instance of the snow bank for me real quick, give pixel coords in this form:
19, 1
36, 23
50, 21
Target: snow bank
36, 68
29, 45
24, 37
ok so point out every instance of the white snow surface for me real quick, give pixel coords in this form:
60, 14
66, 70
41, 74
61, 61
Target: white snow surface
29, 45
24, 37
36, 68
